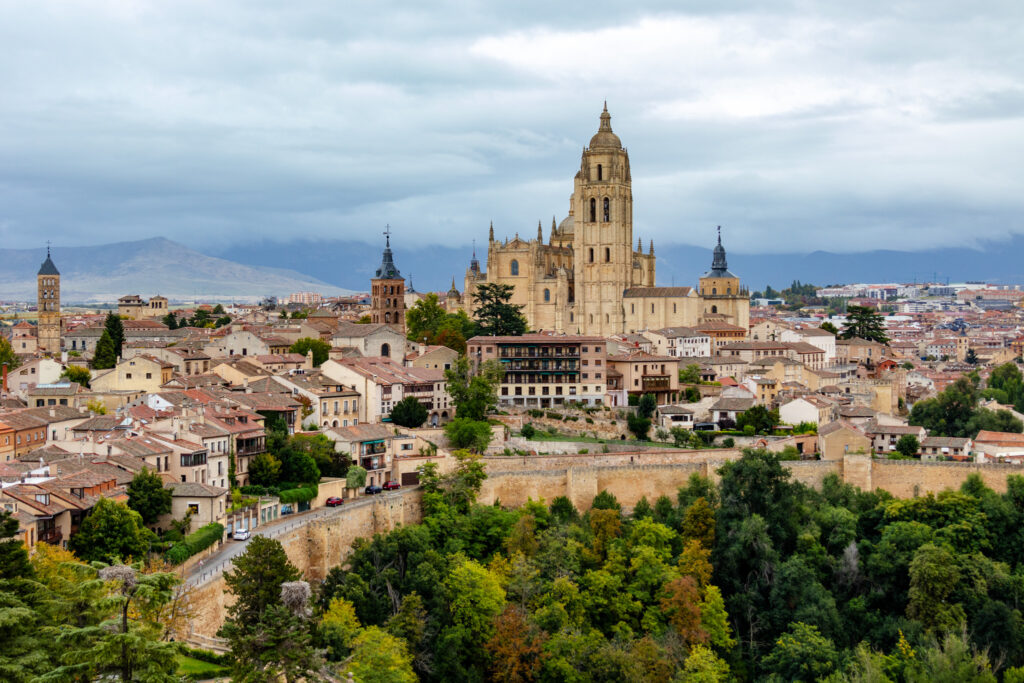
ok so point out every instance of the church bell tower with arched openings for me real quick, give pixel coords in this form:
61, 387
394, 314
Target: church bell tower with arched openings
48, 305
603, 232
387, 291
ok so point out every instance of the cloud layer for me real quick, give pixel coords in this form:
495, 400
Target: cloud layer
798, 126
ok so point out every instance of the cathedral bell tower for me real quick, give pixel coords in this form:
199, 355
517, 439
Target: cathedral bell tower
48, 305
387, 291
602, 206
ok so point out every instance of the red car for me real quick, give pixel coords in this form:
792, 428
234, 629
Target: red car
334, 501
391, 485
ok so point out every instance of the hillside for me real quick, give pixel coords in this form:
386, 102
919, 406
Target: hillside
148, 267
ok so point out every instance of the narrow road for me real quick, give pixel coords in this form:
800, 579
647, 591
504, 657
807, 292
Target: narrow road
219, 562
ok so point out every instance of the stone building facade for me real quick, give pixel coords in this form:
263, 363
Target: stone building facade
48, 305
587, 278
387, 292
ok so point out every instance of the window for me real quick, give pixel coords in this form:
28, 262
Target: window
547, 295
714, 309
607, 209
607, 255
591, 255
127, 375
193, 508
514, 267
599, 172
149, 375
593, 210
652, 308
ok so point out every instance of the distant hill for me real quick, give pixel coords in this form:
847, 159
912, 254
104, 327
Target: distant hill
351, 264
149, 267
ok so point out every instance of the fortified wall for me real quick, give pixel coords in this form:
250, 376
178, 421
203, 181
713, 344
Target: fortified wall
317, 545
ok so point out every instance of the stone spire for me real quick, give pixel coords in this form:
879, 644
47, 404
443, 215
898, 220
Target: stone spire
492, 231
540, 233
652, 247
639, 246
387, 270
719, 267
554, 227
474, 264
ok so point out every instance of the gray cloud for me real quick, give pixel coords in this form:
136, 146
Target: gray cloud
799, 126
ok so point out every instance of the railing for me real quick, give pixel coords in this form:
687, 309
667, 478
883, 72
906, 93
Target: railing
51, 536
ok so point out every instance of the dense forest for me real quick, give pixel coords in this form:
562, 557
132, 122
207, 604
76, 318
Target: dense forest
759, 577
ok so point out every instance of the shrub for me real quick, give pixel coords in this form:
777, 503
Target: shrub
528, 431
533, 412
298, 495
194, 543
584, 451
590, 420
554, 415
729, 442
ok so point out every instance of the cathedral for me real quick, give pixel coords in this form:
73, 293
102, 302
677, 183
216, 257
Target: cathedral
587, 278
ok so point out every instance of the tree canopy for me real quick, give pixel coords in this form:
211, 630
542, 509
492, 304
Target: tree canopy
148, 496
863, 322
409, 412
321, 349
494, 314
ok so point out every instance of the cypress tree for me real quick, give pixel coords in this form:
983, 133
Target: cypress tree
106, 355
115, 328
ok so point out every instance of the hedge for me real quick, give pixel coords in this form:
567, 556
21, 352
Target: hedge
207, 656
196, 542
298, 495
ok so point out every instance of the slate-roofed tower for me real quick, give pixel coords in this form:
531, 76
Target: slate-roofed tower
48, 305
387, 290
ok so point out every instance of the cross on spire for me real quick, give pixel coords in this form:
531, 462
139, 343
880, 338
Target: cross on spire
47, 248
387, 234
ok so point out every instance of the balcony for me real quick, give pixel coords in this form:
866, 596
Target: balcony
655, 382
52, 536
251, 446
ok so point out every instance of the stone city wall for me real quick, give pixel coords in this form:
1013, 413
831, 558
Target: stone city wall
325, 540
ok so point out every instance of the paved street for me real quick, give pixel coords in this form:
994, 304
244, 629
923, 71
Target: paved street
214, 565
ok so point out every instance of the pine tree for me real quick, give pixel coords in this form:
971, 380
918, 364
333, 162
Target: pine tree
494, 314
862, 322
115, 327
106, 353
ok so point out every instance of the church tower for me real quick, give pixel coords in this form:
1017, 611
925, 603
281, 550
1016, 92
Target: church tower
602, 207
721, 291
387, 291
48, 305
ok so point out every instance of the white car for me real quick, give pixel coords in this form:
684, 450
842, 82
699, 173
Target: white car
241, 534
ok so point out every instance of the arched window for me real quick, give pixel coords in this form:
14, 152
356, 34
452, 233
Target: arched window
714, 309
591, 318
385, 350
514, 267
728, 290
652, 308
607, 209
593, 210
591, 254
599, 172
607, 255
571, 317
387, 317
714, 290
673, 308
606, 318
632, 308
547, 295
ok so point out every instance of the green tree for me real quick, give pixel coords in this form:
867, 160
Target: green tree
971, 358
258, 623
76, 373
802, 654
829, 327
356, 477
424, 317
495, 316
265, 470
379, 657
760, 418
466, 433
474, 392
647, 405
115, 328
105, 355
934, 576
7, 355
218, 310
702, 665
339, 628
638, 425
862, 322
409, 412
170, 321
321, 349
148, 496
908, 446
110, 533
690, 374
475, 597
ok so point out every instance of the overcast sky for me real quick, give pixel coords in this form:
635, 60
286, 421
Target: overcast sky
843, 126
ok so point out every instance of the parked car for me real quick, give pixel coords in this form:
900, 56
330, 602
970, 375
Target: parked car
391, 485
334, 502
287, 509
371, 489
241, 534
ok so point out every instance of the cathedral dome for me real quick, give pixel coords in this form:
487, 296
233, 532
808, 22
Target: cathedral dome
567, 226
605, 138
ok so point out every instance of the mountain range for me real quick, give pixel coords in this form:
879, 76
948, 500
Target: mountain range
351, 264
149, 267
250, 271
